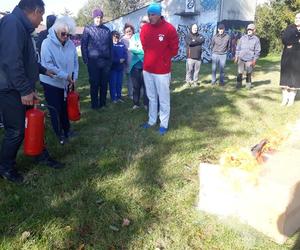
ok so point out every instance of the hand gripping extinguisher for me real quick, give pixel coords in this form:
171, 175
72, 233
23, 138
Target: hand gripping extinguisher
73, 103
34, 131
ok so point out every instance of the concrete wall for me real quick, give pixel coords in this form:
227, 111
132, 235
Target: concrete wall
209, 13
243, 10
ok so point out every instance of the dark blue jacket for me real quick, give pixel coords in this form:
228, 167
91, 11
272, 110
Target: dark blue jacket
96, 45
19, 69
119, 51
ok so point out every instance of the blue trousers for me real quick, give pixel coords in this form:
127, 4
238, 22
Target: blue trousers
115, 84
218, 60
98, 77
59, 117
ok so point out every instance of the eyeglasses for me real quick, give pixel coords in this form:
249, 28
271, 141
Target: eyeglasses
65, 34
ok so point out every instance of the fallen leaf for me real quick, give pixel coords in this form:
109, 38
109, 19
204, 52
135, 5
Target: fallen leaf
126, 222
99, 201
81, 247
25, 235
114, 228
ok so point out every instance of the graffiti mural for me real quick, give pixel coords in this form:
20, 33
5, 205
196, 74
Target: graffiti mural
209, 5
207, 30
234, 28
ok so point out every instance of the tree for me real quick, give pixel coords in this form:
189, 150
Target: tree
67, 12
271, 19
111, 8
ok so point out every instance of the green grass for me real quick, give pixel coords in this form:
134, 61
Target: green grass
116, 170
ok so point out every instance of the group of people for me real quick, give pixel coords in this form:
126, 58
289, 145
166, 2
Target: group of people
53, 60
247, 52
144, 58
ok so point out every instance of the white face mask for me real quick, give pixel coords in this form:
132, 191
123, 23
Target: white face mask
297, 19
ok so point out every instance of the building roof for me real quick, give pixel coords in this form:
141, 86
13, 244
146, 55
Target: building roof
79, 30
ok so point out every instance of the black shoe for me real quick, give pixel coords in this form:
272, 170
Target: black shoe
45, 159
72, 134
51, 163
12, 175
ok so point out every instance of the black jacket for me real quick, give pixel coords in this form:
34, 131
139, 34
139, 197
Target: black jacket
194, 44
19, 69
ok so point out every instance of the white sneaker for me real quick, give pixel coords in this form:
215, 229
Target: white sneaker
135, 107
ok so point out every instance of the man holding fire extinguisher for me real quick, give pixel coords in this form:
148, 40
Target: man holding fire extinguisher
19, 70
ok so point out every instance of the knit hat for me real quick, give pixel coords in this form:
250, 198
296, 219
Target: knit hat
221, 26
251, 26
97, 12
154, 8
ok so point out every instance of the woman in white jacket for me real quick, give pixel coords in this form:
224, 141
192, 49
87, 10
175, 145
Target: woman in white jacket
58, 53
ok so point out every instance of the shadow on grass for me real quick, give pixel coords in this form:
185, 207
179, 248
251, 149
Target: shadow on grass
116, 170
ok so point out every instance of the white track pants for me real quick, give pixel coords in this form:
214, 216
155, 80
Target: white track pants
158, 92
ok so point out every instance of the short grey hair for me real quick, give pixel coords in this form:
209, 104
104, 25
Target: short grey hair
66, 23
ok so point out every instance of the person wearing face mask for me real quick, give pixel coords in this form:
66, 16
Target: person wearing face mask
58, 53
220, 44
290, 61
194, 42
247, 52
96, 50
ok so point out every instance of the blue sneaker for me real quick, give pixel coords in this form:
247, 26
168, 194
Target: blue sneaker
145, 125
162, 130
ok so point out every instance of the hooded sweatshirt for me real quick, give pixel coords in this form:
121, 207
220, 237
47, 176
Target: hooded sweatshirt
160, 44
61, 59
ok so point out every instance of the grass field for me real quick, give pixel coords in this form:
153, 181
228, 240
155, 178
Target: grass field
115, 171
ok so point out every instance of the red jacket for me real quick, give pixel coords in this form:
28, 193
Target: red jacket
160, 44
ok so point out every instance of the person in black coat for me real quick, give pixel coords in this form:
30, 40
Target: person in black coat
44, 33
19, 70
194, 42
290, 61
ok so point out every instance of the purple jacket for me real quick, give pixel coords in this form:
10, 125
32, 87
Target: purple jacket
96, 45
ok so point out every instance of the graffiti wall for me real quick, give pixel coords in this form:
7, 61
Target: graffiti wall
207, 30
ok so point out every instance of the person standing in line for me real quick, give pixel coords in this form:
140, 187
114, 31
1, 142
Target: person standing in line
44, 33
19, 71
96, 49
136, 68
160, 43
194, 42
220, 45
128, 33
247, 52
290, 61
59, 54
119, 57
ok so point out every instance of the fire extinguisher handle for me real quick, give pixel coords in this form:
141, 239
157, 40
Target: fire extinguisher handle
73, 87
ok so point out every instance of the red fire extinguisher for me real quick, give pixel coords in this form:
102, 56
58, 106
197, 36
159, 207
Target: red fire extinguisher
73, 104
34, 132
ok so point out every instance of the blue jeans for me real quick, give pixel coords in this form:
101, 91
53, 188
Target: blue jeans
98, 77
115, 84
218, 60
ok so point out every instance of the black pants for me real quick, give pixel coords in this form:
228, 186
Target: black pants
13, 114
59, 116
137, 79
98, 77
